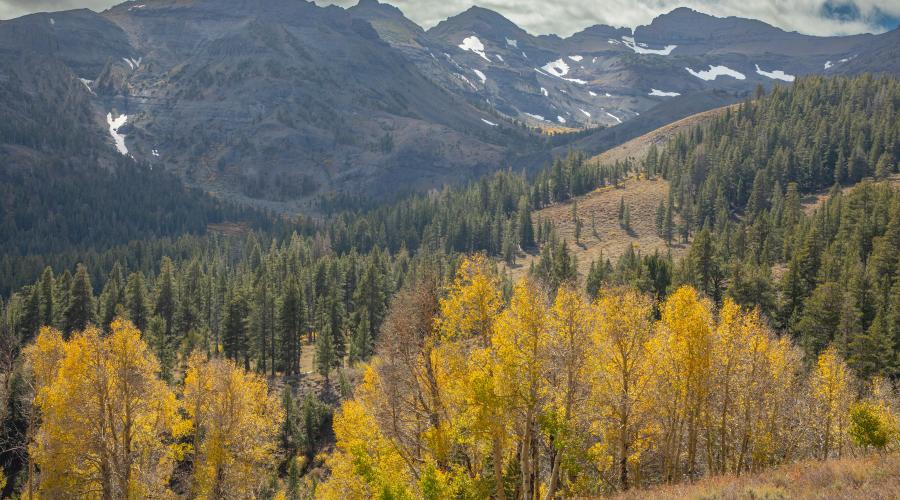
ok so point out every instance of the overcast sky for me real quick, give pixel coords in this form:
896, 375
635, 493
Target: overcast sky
564, 17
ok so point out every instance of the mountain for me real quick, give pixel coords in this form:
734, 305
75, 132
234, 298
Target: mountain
274, 100
607, 76
279, 102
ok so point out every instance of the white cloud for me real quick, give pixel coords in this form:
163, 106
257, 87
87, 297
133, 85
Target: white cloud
15, 8
565, 17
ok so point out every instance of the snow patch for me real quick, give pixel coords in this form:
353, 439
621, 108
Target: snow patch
512, 43
556, 68
641, 48
489, 122
499, 57
132, 62
614, 42
608, 94
716, 71
828, 64
592, 93
585, 112
52, 22
87, 83
473, 44
576, 58
114, 126
614, 117
453, 61
560, 69
560, 119
663, 93
525, 55
480, 76
775, 75
544, 92
536, 117
463, 78
155, 153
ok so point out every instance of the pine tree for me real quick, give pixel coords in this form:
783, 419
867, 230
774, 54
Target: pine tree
136, 301
48, 303
164, 308
872, 352
30, 322
326, 358
525, 226
291, 320
165, 295
361, 343
112, 297
577, 222
668, 224
234, 328
80, 312
621, 214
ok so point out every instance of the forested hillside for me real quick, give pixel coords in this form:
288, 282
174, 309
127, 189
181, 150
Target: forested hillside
757, 348
62, 189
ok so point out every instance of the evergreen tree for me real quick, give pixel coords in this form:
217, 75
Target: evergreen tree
136, 301
234, 327
30, 321
48, 303
525, 226
326, 357
291, 320
80, 311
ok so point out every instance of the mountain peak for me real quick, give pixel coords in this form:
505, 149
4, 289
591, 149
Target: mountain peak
477, 19
684, 24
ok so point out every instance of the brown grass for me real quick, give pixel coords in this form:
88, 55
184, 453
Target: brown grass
637, 148
811, 202
228, 228
872, 477
642, 197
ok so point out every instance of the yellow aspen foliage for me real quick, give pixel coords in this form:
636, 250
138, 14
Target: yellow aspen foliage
783, 409
567, 351
473, 397
108, 425
831, 394
472, 303
234, 424
737, 423
621, 384
364, 463
465, 366
44, 356
519, 345
682, 357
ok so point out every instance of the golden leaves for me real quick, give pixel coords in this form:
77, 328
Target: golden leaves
109, 423
112, 428
235, 422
